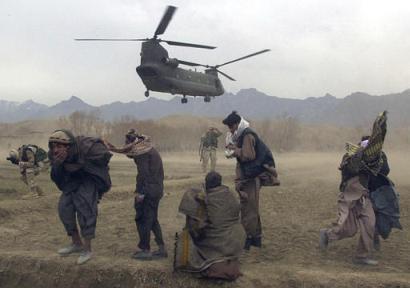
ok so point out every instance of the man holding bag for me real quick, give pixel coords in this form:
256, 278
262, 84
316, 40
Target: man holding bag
255, 167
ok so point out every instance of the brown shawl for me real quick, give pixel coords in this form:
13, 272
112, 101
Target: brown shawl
217, 214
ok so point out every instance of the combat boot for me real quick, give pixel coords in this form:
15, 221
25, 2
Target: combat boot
161, 252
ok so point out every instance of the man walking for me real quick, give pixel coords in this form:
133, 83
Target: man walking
355, 209
207, 148
79, 168
148, 192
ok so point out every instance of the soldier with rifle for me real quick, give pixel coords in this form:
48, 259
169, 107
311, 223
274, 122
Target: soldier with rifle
31, 159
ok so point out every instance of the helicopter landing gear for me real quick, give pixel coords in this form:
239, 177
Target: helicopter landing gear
146, 93
207, 99
184, 100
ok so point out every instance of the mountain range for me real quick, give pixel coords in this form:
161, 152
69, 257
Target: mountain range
353, 110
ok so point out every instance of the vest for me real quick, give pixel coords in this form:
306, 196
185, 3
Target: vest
251, 169
210, 140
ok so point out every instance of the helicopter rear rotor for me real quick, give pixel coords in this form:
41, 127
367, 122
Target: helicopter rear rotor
223, 64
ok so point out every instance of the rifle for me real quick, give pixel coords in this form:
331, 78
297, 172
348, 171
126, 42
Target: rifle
13, 160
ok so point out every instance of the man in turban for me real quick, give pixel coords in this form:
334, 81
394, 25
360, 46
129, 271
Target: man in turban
79, 168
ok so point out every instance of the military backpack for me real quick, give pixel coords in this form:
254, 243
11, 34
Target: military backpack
39, 153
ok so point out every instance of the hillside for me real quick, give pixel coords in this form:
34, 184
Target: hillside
353, 110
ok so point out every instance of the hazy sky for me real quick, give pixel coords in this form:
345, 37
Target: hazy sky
317, 46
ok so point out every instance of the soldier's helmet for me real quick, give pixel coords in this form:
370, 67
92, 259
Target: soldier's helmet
13, 154
61, 136
131, 131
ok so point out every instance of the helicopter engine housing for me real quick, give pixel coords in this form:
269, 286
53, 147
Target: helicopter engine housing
172, 62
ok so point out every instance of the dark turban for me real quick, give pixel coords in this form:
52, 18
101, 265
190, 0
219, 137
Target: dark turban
131, 136
366, 137
212, 180
232, 119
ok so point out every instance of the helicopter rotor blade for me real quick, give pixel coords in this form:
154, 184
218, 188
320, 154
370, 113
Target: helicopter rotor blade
166, 18
188, 44
108, 39
244, 57
226, 75
206, 66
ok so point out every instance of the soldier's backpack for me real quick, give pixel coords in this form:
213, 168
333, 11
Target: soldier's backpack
39, 153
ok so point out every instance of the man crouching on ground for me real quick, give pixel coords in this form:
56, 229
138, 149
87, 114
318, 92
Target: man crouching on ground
213, 238
79, 168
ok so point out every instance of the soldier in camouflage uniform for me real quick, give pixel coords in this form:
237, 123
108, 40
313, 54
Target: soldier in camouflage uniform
30, 167
207, 148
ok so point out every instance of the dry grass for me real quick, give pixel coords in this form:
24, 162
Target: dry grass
30, 231
180, 133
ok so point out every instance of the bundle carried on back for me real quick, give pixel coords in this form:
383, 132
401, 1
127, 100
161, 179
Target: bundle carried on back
368, 157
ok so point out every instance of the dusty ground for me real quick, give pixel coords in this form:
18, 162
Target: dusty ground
30, 231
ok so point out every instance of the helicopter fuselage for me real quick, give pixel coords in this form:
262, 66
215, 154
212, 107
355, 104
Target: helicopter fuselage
160, 73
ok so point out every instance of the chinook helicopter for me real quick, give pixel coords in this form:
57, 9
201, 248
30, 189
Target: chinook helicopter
160, 73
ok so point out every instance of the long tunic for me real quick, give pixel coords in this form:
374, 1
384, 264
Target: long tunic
150, 183
248, 189
83, 178
213, 238
385, 200
150, 177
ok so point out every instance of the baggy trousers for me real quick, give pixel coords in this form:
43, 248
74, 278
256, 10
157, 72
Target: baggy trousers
355, 216
80, 205
146, 219
249, 198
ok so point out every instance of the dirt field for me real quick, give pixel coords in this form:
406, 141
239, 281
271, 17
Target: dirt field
292, 214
